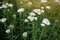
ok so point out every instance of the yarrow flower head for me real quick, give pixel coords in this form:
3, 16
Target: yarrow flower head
10, 5
46, 21
1, 7
20, 10
7, 4
4, 6
3, 19
42, 11
25, 34
21, 2
31, 18
38, 11
32, 14
44, 1
48, 7
42, 7
30, 3
42, 24
8, 31
57, 0
26, 20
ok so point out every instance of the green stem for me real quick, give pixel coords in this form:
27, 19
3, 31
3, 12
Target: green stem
24, 38
20, 18
33, 32
52, 30
41, 33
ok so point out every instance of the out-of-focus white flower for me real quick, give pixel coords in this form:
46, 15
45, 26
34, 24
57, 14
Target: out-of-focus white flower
57, 0
42, 7
32, 14
11, 26
7, 4
42, 11
31, 18
35, 18
46, 21
21, 2
44, 1
38, 11
48, 7
3, 19
20, 10
10, 5
1, 7
4, 6
8, 31
25, 34
30, 3
26, 20
42, 24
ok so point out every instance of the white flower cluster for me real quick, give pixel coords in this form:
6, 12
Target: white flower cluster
47, 7
3, 20
6, 5
20, 10
44, 1
38, 11
31, 17
30, 3
8, 31
42, 7
32, 14
10, 28
26, 20
25, 34
57, 0
45, 21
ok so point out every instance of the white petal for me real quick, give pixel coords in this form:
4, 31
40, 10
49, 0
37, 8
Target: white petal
20, 10
42, 24
42, 11
44, 1
46, 21
10, 5
4, 6
7, 31
26, 20
38, 11
3, 19
42, 7
1, 7
48, 7
32, 14
24, 34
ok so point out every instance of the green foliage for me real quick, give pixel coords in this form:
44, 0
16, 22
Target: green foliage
15, 22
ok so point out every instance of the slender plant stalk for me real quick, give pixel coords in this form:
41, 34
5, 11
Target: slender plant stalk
33, 32
42, 32
52, 30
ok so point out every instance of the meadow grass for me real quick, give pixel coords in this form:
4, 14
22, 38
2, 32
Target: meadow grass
34, 30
